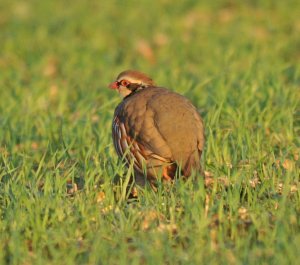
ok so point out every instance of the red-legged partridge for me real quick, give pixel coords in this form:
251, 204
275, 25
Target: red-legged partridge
155, 129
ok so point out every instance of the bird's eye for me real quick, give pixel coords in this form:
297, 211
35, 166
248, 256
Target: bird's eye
125, 83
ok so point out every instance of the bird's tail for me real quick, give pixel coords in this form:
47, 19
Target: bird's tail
193, 164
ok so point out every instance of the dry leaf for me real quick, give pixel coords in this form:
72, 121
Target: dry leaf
225, 15
4, 151
296, 155
280, 187
161, 39
34, 145
294, 188
207, 199
224, 181
172, 228
150, 218
208, 174
254, 182
134, 192
260, 33
50, 69
214, 240
288, 164
208, 181
100, 197
144, 48
53, 91
243, 213
107, 209
95, 118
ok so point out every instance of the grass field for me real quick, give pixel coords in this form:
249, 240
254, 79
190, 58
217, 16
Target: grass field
238, 61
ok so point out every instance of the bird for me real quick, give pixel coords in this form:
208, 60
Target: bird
155, 130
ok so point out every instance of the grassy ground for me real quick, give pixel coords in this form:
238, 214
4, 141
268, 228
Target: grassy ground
238, 61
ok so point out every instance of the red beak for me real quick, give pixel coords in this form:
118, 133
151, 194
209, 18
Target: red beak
113, 85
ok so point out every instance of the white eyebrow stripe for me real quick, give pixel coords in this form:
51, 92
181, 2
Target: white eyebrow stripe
131, 80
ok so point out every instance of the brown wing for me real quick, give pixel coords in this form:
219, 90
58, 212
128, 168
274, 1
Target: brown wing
125, 146
134, 152
180, 125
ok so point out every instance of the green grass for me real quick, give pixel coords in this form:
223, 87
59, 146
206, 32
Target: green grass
238, 61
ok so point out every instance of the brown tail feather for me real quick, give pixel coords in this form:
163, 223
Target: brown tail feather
193, 163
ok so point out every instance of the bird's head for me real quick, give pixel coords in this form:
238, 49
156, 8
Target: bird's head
131, 81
